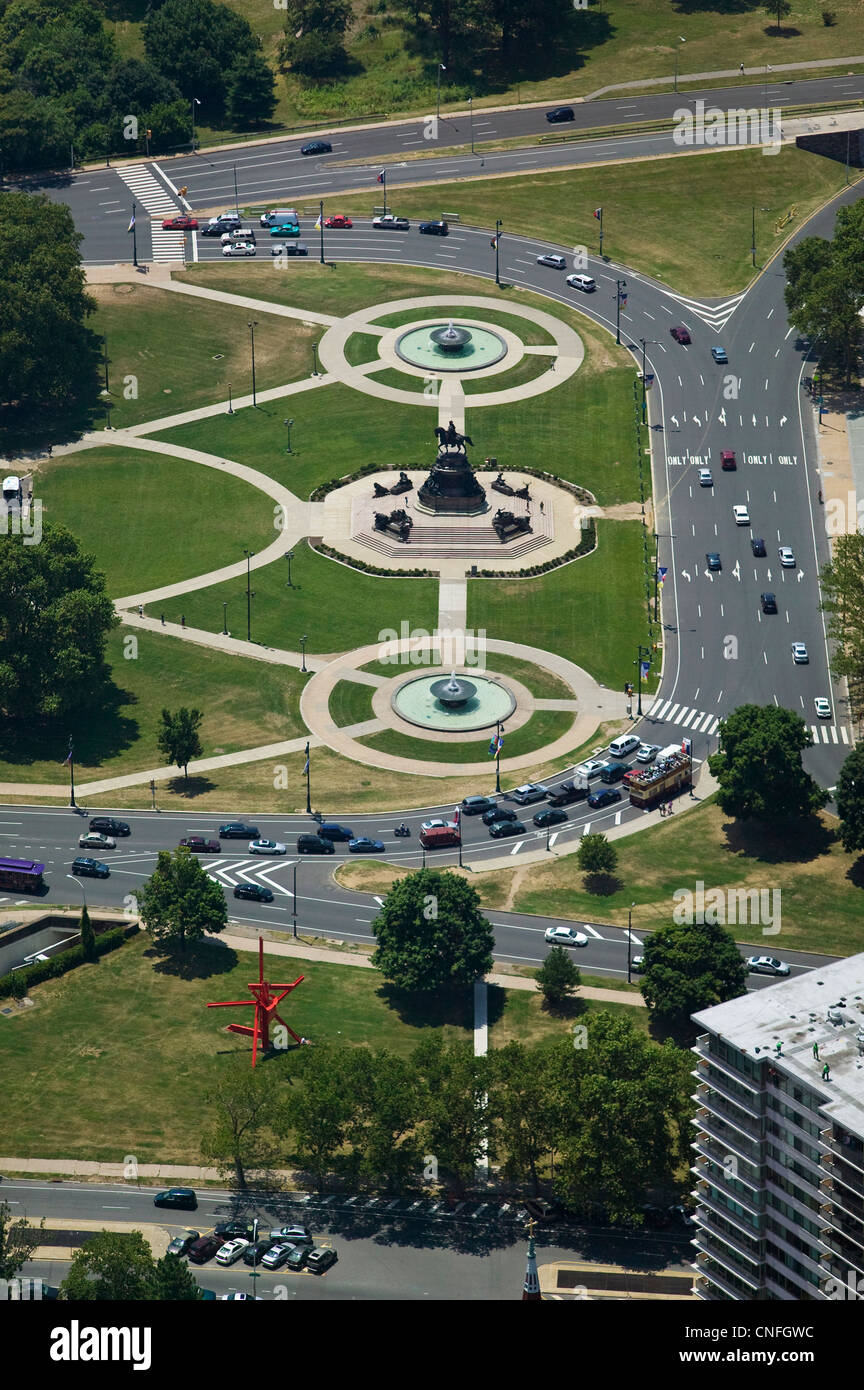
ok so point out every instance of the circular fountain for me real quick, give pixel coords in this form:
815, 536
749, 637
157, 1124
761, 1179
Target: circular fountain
450, 347
456, 705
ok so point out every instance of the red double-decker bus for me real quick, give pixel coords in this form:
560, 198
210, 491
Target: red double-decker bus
21, 875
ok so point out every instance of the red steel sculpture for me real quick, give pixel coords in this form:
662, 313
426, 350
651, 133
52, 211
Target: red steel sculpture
265, 1000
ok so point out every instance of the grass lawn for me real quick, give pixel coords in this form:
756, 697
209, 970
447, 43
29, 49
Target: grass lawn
539, 731
172, 519
591, 611
541, 683
528, 369
130, 1019
244, 703
336, 607
350, 703
361, 348
178, 354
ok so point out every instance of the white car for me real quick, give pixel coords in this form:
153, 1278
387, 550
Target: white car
799, 654
592, 768
586, 283
823, 707
647, 752
638, 964
239, 1297
565, 936
764, 965
239, 234
741, 515
95, 840
787, 557
706, 478
230, 1252
437, 824
240, 248
267, 847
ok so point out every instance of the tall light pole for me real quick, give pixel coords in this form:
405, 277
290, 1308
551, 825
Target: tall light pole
249, 595
134, 232
195, 102
629, 944
236, 198
643, 655
498, 756
441, 68
308, 771
471, 119
70, 758
288, 424
681, 39
289, 556
224, 618
496, 239
645, 342
253, 324
77, 880
619, 286
303, 641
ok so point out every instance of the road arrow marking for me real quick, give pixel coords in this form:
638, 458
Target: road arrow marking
674, 419
800, 576
754, 422
737, 570
783, 419
722, 416
686, 576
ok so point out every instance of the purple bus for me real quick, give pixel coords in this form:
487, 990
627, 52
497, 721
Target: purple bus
22, 875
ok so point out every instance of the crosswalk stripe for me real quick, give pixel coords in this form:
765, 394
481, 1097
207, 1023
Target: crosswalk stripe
834, 733
662, 713
692, 715
655, 706
843, 733
672, 713
516, 848
703, 724
814, 729
592, 931
713, 728
148, 190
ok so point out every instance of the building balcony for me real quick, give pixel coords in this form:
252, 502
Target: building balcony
710, 1293
851, 1153
714, 1249
719, 1155
779, 1293
840, 1171
837, 1221
714, 1080
851, 1254
715, 1104
708, 1222
707, 1061
749, 1224
724, 1279
732, 1139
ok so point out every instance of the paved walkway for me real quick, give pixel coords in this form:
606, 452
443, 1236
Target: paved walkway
758, 72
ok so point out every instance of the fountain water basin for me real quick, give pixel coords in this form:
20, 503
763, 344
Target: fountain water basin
450, 347
457, 705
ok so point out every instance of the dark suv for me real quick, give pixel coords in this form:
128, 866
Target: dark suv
330, 830
90, 868
566, 794
236, 830
559, 114
476, 805
313, 844
109, 826
182, 1197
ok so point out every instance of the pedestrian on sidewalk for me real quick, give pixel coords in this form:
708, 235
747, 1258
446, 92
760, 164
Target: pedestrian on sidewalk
140, 610
541, 507
182, 619
826, 1072
662, 809
816, 1051
669, 808
162, 617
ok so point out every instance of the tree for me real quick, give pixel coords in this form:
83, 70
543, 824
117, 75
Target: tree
18, 1240
842, 583
825, 288
111, 1266
454, 1126
243, 1104
849, 799
314, 40
781, 9
172, 1281
691, 966
519, 1111
317, 1113
251, 98
178, 903
54, 624
88, 936
431, 933
758, 766
196, 43
558, 977
597, 860
178, 737
382, 1131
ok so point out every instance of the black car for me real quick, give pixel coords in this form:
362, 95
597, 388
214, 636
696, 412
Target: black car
434, 229
497, 813
550, 817
317, 147
757, 545
769, 603
713, 560
566, 794
180, 1245
238, 830
501, 828
313, 844
289, 248
109, 826
559, 114
178, 1197
253, 1253
226, 224
604, 797
90, 868
331, 830
255, 892
230, 1230
476, 805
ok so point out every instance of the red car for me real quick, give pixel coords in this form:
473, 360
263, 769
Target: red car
180, 224
727, 460
199, 845
680, 334
340, 220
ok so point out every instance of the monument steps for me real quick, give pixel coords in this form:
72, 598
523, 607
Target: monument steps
451, 542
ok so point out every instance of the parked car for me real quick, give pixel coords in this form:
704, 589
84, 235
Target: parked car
109, 826
558, 114
719, 354
181, 223
436, 824
177, 1197
706, 477
180, 1244
440, 228
637, 964
314, 844
240, 248
822, 707
713, 561
757, 545
497, 813
741, 515
592, 768
565, 936
238, 830
604, 797
727, 460
362, 844
199, 845
551, 259
799, 654
276, 1255
94, 839
553, 816
680, 1215
338, 220
769, 603
767, 965
476, 805
321, 1258
289, 248
227, 1230
787, 557
296, 1235
90, 868
389, 222
267, 847
680, 334
316, 147
500, 829
331, 830
256, 1250
231, 1251
254, 892
297, 1258
203, 1249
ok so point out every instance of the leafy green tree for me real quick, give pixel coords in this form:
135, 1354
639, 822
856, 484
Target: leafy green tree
758, 766
196, 43
54, 624
112, 1266
178, 903
381, 1135
825, 288
454, 1124
597, 859
319, 1110
313, 43
88, 936
169, 123
558, 978
688, 967
243, 1105
780, 9
35, 133
431, 933
18, 1240
849, 799
251, 98
172, 1281
842, 584
521, 1110
178, 737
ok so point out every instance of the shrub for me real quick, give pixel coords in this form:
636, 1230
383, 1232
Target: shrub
58, 965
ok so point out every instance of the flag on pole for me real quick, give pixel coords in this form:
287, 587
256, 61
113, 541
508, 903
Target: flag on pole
67, 759
456, 814
598, 213
661, 575
318, 223
306, 767
382, 174
645, 667
131, 224
622, 296
495, 240
492, 745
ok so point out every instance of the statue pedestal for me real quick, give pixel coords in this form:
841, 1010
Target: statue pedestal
452, 488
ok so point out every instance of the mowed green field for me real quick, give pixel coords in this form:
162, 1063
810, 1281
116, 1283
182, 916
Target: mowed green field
151, 519
543, 728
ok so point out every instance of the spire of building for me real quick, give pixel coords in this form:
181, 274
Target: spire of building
531, 1287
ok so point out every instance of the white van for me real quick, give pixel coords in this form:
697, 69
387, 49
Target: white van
620, 747
12, 490
582, 282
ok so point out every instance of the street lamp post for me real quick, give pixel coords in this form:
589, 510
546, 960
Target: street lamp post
236, 198
681, 39
629, 942
308, 771
471, 118
253, 324
289, 556
441, 68
498, 225
321, 226
294, 901
645, 342
195, 102
498, 756
77, 880
314, 359
230, 403
254, 1275
249, 594
619, 286
70, 758
643, 655
303, 641
288, 424
224, 618
134, 238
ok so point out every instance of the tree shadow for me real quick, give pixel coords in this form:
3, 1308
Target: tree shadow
190, 787
566, 1009
101, 735
454, 1007
603, 885
717, 6
855, 873
799, 842
782, 31
200, 961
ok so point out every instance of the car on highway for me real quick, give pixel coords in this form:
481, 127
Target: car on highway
757, 545
253, 892
681, 334
787, 557
706, 477
321, 1258
727, 460
528, 792
500, 829
767, 965
199, 845
566, 793
181, 223
389, 222
436, 824
226, 221
289, 229
339, 220
238, 234
256, 1250
289, 248
182, 1198
799, 654
240, 248
638, 964
496, 813
238, 830
332, 830
553, 816
647, 752
592, 768
296, 1235
362, 844
713, 560
604, 797
627, 743
297, 1258
551, 259
476, 805
719, 353
231, 1251
180, 1244
558, 114
90, 868
741, 515
316, 147
565, 936
109, 826
769, 603
276, 1255
94, 839
240, 1298
822, 707
440, 228
314, 844
267, 847
586, 283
